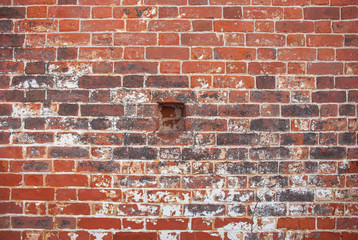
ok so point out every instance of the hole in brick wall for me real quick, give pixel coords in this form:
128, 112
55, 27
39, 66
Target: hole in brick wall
171, 117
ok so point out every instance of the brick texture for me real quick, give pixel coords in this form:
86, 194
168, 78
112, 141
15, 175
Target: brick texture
178, 119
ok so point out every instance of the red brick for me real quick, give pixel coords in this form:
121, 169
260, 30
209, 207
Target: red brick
59, 180
39, 194
235, 53
255, 39
69, 25
200, 12
68, 208
68, 12
68, 39
346, 82
263, 13
99, 223
294, 26
299, 54
345, 27
135, 39
102, 12
267, 68
165, 25
324, 41
135, 235
233, 26
296, 223
167, 53
36, 26
102, 110
325, 68
204, 67
201, 39
315, 13
347, 54
101, 25
349, 12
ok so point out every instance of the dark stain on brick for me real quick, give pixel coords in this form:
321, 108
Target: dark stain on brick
144, 153
205, 209
328, 153
237, 154
104, 167
299, 195
268, 209
300, 111
270, 125
35, 165
140, 11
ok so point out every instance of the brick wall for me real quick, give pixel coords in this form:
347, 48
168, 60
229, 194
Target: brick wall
178, 119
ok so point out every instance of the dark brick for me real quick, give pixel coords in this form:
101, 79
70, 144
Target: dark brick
35, 96
139, 124
102, 110
5, 109
242, 110
351, 40
299, 195
133, 81
11, 96
100, 82
134, 139
12, 40
268, 209
353, 96
204, 210
234, 168
6, 53
325, 82
270, 96
300, 111
315, 13
237, 154
35, 68
68, 152
299, 139
329, 96
237, 139
265, 153
144, 153
270, 125
96, 166
267, 167
232, 12
68, 110
167, 81
67, 53
265, 82
35, 123
12, 12
268, 182
328, 153
347, 138
201, 153
135, 67
32, 222
68, 95
101, 124
347, 110
6, 26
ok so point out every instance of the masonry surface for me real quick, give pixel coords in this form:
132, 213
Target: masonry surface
178, 119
